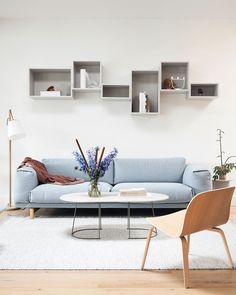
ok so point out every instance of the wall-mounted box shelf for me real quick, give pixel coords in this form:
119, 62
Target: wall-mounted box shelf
115, 92
177, 72
144, 93
41, 79
94, 72
203, 91
145, 81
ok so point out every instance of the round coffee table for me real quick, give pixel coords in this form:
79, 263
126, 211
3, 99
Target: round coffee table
110, 197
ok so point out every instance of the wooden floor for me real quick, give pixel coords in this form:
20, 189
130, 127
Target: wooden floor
218, 282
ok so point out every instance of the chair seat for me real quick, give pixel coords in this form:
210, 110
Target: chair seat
171, 224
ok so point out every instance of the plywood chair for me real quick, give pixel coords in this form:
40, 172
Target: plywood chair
206, 211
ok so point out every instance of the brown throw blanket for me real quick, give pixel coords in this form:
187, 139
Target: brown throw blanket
45, 177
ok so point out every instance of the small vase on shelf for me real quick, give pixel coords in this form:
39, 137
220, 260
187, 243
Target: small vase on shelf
94, 189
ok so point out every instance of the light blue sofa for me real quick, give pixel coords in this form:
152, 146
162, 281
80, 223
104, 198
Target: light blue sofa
171, 176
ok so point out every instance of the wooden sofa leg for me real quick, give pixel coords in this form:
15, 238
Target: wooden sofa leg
32, 213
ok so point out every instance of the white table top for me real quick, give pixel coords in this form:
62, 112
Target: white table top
112, 197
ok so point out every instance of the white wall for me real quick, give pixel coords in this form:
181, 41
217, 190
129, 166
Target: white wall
184, 128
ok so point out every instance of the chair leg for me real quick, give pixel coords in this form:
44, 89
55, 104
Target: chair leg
185, 248
220, 231
147, 246
188, 239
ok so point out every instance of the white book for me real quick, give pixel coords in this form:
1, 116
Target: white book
133, 192
142, 102
83, 78
50, 93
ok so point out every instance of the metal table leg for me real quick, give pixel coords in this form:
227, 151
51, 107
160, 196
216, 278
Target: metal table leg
153, 214
137, 228
73, 225
99, 228
128, 216
99, 220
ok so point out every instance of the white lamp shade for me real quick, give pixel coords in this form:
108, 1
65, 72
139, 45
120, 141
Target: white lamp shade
15, 130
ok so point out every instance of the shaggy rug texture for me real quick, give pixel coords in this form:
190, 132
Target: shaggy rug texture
46, 243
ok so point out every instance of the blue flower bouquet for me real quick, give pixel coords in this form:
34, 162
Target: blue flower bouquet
94, 166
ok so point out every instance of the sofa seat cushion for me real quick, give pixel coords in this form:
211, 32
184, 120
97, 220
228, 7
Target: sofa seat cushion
51, 193
177, 192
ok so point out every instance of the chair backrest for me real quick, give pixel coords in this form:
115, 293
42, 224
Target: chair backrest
208, 209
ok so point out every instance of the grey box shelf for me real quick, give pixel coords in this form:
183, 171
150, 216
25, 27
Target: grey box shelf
115, 92
94, 71
179, 72
145, 81
204, 91
41, 79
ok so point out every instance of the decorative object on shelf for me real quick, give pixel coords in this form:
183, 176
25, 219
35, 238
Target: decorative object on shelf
50, 92
148, 104
220, 172
51, 88
169, 84
199, 91
177, 82
91, 83
14, 132
95, 166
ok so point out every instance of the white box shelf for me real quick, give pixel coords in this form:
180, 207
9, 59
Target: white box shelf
145, 81
203, 91
94, 72
41, 79
115, 92
178, 72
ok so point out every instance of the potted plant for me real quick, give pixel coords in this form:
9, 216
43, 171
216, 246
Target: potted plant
225, 167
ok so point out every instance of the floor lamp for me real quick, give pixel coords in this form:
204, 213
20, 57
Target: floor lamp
14, 132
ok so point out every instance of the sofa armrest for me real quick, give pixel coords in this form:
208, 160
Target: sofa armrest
25, 180
198, 178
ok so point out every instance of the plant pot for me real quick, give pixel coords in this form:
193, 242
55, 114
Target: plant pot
220, 183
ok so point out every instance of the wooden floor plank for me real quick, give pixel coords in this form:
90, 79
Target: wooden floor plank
173, 279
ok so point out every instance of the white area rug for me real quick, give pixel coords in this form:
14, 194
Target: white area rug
46, 243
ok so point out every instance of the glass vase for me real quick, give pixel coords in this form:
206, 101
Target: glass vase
94, 189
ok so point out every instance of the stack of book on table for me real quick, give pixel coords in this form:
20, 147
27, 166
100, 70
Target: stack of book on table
135, 192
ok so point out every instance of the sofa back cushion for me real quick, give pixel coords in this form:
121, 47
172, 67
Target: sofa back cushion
70, 167
149, 170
